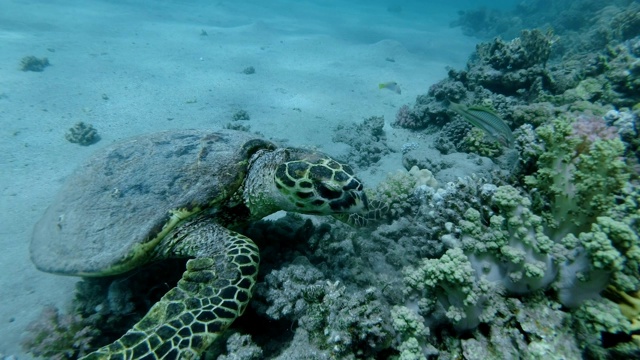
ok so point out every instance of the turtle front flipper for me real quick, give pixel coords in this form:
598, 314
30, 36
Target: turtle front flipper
214, 290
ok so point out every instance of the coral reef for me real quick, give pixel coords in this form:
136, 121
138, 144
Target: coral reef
510, 67
408, 119
32, 63
528, 328
499, 75
338, 323
571, 238
368, 141
556, 225
529, 49
450, 167
83, 134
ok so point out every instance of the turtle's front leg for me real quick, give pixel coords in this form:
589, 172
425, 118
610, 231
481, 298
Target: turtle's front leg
214, 290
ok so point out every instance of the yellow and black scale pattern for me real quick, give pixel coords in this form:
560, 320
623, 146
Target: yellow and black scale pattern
318, 196
214, 290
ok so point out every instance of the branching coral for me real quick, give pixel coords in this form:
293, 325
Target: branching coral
241, 347
285, 289
83, 134
367, 140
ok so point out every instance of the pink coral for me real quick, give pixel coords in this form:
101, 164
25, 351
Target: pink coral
589, 129
59, 336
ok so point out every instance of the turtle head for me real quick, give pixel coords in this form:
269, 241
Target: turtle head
305, 181
314, 183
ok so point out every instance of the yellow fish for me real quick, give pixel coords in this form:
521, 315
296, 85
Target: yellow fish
391, 85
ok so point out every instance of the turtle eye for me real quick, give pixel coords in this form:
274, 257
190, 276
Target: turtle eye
328, 193
304, 195
353, 185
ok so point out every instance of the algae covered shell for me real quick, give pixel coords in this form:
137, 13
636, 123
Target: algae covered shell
118, 205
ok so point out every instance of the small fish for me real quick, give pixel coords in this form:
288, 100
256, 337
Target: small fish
391, 85
486, 120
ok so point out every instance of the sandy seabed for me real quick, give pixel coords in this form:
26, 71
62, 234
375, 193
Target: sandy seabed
130, 68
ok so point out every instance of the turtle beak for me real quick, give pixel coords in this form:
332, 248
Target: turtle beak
351, 202
362, 203
356, 199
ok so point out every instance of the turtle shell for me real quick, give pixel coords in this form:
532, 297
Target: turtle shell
116, 207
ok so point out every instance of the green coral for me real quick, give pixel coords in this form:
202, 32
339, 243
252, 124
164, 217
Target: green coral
589, 89
476, 142
411, 350
513, 249
450, 282
580, 178
407, 322
615, 247
595, 317
576, 180
410, 327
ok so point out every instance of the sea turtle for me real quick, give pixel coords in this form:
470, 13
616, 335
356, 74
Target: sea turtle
181, 194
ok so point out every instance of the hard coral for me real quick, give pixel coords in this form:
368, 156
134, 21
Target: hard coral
512, 68
241, 347
533, 47
452, 136
83, 134
367, 140
405, 118
32, 63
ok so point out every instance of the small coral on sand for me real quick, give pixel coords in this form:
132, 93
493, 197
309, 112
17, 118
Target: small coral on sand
241, 115
32, 63
83, 134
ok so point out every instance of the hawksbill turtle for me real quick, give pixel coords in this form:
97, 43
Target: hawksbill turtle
181, 194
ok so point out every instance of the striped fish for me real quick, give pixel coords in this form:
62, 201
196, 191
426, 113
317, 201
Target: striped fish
486, 120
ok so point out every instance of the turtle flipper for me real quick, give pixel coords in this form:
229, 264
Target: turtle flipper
214, 290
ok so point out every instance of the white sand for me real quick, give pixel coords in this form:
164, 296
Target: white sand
317, 66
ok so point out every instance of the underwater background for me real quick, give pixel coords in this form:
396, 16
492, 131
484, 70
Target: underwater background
499, 140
